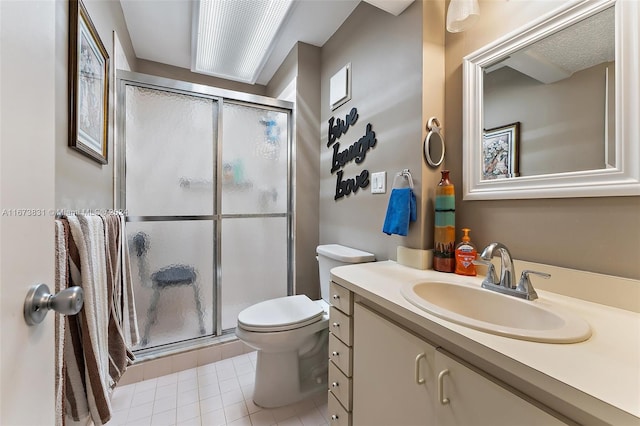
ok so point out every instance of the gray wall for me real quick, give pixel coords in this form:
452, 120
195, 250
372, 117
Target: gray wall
592, 234
82, 183
302, 66
385, 53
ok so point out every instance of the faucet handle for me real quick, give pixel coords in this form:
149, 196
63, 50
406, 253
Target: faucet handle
492, 277
525, 285
526, 273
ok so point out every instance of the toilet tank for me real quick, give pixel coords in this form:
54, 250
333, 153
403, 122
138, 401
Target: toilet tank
332, 255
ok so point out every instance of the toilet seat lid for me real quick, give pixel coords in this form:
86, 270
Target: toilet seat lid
283, 313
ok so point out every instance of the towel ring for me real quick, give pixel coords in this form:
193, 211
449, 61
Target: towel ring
434, 143
405, 175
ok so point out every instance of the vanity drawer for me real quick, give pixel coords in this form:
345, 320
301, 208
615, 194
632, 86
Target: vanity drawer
341, 298
340, 354
338, 416
340, 386
340, 325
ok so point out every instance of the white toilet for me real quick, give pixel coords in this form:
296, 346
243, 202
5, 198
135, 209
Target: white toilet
291, 336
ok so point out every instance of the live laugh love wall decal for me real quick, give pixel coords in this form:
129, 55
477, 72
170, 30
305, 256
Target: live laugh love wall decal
356, 151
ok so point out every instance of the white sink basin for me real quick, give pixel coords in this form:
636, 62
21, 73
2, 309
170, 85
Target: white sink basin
497, 313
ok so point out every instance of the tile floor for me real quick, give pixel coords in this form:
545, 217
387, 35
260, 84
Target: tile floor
216, 394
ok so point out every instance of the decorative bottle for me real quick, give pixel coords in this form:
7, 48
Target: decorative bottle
445, 226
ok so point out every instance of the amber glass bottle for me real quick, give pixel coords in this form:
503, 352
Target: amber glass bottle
445, 226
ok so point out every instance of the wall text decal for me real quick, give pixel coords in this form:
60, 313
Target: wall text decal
347, 186
339, 127
356, 151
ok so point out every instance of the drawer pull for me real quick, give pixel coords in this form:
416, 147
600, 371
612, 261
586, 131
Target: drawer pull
336, 296
441, 397
336, 324
334, 417
419, 380
335, 384
334, 353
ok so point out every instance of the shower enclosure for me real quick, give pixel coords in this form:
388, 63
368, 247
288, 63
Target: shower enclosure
204, 177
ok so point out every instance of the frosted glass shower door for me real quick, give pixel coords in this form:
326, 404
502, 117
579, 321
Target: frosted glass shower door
255, 207
170, 186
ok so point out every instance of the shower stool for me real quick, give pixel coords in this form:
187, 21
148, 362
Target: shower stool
167, 277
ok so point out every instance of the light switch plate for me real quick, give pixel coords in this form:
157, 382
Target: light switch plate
379, 183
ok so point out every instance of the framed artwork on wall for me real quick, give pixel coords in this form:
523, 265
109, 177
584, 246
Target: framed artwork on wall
88, 86
500, 152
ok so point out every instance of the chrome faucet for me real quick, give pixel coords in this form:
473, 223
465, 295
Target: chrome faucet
506, 284
506, 271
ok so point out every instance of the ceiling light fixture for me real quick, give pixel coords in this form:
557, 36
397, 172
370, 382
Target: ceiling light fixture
462, 14
232, 39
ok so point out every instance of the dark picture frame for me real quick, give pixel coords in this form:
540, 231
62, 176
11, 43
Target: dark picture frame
88, 86
500, 147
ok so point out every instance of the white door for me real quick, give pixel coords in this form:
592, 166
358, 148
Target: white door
27, 157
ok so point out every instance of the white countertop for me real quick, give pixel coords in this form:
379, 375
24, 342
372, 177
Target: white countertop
600, 375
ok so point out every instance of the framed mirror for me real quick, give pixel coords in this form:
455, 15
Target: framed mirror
551, 110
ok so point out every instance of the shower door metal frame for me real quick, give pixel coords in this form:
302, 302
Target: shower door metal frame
220, 96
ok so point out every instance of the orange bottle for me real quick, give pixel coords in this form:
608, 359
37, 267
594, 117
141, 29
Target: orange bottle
465, 255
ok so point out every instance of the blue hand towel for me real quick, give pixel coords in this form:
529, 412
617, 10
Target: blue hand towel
401, 210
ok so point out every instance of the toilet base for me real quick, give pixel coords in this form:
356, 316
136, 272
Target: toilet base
279, 380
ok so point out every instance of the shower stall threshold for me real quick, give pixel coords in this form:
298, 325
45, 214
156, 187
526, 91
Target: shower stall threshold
174, 358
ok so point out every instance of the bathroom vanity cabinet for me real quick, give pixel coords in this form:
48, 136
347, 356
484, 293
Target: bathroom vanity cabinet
407, 367
340, 355
401, 379
388, 365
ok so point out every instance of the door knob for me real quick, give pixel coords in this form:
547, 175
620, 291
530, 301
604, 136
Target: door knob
39, 301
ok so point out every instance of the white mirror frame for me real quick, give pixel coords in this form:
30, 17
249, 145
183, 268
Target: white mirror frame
621, 180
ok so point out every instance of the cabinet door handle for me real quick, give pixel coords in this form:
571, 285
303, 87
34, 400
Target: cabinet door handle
419, 380
441, 397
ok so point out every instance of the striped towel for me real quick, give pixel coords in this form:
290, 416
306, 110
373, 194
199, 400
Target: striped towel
87, 357
91, 252
60, 322
120, 357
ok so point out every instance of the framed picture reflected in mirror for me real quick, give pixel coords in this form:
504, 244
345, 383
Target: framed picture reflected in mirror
500, 152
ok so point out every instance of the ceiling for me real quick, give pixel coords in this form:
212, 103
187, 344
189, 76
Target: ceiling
160, 30
575, 48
